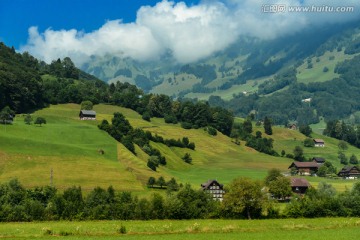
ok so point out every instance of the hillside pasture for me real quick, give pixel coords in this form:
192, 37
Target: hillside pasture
70, 147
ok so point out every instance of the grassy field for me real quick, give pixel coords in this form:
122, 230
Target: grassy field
316, 73
324, 228
70, 148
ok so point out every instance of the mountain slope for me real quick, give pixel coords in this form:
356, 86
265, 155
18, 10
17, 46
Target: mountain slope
71, 148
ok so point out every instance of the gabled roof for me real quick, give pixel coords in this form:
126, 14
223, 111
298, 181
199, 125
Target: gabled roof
88, 112
304, 164
209, 183
299, 182
347, 169
318, 140
319, 159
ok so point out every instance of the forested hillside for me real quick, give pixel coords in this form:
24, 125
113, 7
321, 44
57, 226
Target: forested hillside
266, 77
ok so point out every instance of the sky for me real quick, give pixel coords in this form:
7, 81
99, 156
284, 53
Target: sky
146, 29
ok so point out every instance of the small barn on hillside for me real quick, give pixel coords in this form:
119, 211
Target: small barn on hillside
299, 185
87, 115
350, 172
319, 142
214, 188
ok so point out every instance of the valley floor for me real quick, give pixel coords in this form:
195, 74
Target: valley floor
321, 228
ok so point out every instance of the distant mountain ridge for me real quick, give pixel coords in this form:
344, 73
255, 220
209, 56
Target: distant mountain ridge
251, 73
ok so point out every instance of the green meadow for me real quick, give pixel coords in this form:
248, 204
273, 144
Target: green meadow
70, 148
316, 73
321, 228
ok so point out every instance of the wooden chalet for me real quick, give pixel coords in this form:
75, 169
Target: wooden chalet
305, 168
215, 189
349, 172
87, 115
299, 185
319, 142
318, 160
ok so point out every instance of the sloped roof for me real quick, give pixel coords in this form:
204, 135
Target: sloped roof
319, 159
318, 140
347, 169
88, 112
305, 164
299, 182
210, 182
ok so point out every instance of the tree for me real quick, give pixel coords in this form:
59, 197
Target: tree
151, 181
247, 126
245, 196
280, 188
299, 154
354, 160
161, 182
343, 159
342, 145
309, 142
272, 175
172, 185
267, 126
28, 119
153, 162
187, 158
40, 120
306, 130
87, 105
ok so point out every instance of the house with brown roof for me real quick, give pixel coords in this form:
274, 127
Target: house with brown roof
214, 188
349, 172
304, 168
299, 185
319, 142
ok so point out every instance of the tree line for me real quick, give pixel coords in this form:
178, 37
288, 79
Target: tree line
244, 199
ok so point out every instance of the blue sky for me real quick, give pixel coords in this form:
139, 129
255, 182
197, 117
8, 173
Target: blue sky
16, 16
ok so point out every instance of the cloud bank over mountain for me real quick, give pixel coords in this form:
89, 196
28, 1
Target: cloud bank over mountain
189, 32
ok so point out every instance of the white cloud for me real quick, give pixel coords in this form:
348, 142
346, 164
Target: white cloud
190, 32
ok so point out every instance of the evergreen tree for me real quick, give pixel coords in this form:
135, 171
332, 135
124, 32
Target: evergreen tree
267, 126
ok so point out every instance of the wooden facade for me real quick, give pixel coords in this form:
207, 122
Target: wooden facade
349, 172
305, 168
215, 189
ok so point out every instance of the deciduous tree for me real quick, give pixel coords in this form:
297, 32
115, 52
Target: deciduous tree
245, 196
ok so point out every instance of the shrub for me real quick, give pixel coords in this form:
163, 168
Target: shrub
187, 158
186, 125
308, 142
146, 116
212, 131
170, 119
122, 229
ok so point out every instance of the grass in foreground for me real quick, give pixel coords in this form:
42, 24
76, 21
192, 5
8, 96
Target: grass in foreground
323, 228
